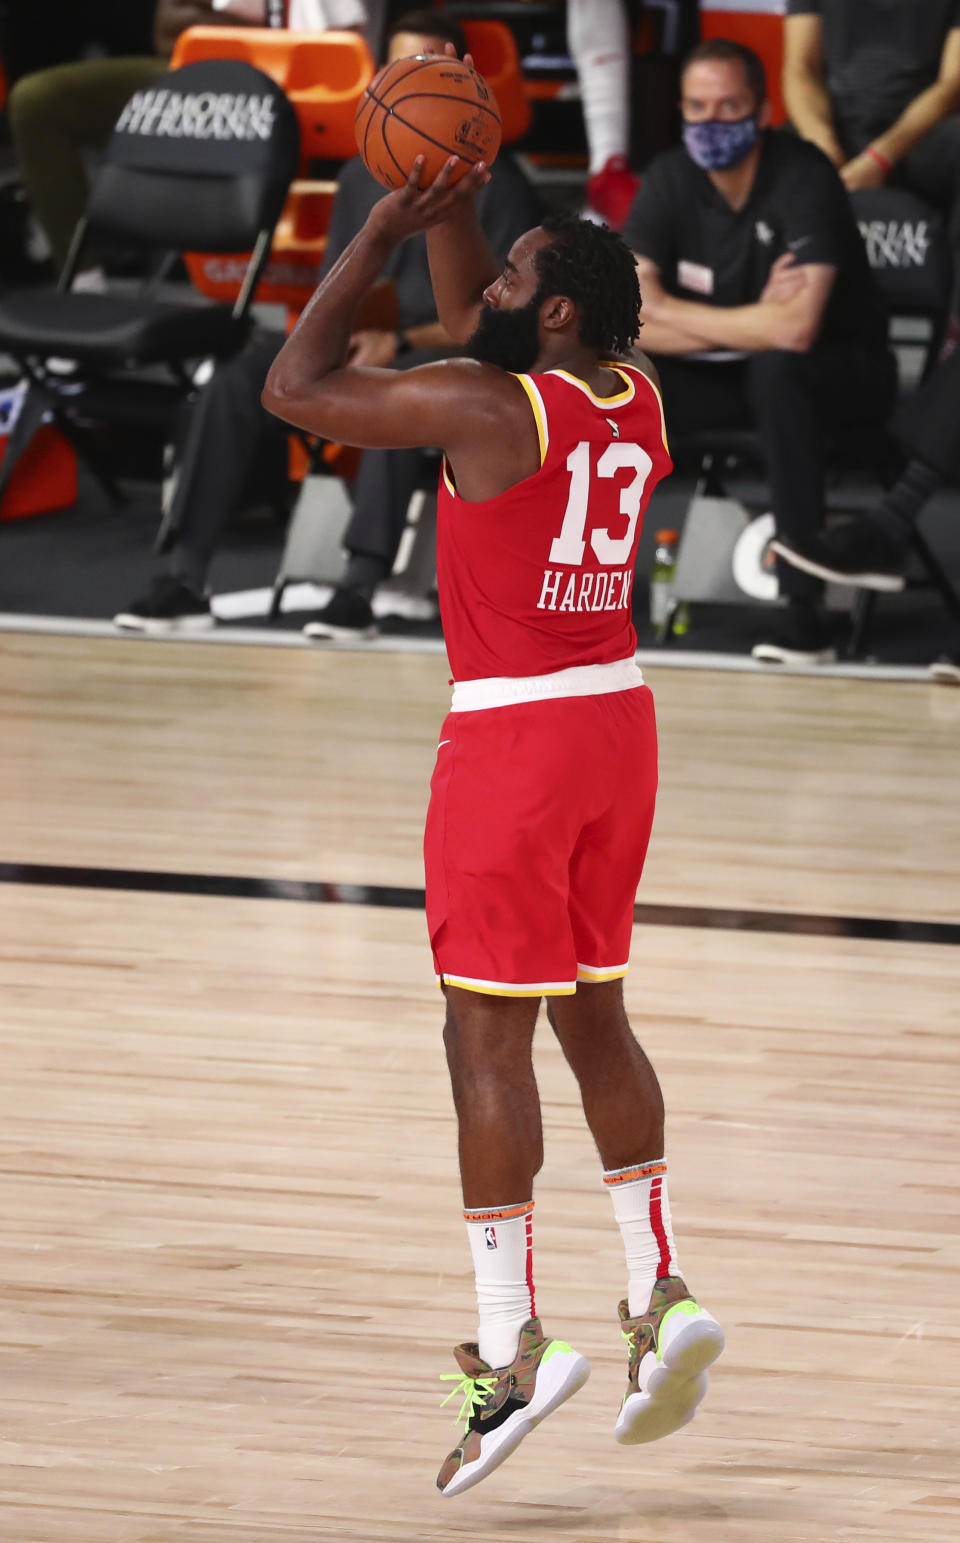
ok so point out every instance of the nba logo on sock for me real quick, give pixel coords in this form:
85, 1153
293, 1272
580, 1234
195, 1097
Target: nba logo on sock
490, 1236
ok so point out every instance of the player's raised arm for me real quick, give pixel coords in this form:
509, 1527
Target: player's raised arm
462, 266
310, 383
462, 261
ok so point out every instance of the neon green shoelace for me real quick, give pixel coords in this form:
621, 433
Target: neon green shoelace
474, 1390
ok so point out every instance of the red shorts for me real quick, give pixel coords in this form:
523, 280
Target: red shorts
540, 815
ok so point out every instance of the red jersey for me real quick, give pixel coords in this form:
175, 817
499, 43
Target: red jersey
540, 578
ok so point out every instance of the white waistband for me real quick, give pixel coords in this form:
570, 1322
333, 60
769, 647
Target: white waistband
470, 696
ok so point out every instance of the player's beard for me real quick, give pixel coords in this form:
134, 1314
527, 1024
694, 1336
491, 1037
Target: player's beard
509, 339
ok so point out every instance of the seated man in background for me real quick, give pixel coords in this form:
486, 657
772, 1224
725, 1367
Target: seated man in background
877, 87
745, 243
228, 428
60, 114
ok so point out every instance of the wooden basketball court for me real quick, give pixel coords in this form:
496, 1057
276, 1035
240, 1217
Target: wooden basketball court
232, 1252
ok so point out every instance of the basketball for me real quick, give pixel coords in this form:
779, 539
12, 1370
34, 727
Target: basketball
430, 106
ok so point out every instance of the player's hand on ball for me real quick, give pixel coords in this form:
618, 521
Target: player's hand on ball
429, 107
412, 208
450, 49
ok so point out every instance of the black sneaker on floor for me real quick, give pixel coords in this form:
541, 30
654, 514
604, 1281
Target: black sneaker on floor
798, 635
859, 553
347, 614
168, 606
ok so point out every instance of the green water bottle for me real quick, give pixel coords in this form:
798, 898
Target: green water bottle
661, 581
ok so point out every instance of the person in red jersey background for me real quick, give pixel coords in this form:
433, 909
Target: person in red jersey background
543, 794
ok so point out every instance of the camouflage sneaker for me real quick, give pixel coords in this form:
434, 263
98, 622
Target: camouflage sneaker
501, 1407
671, 1345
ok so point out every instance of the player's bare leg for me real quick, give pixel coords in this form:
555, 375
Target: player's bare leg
621, 1096
489, 1045
671, 1339
513, 1376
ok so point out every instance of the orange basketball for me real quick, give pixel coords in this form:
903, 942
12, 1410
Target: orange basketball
430, 106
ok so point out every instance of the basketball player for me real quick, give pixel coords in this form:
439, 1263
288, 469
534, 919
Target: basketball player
543, 793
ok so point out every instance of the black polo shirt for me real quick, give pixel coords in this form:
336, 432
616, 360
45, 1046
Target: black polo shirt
879, 54
709, 252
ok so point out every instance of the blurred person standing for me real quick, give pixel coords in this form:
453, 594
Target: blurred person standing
616, 106
598, 37
876, 86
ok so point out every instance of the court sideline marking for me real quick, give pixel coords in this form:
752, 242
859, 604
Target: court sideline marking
390, 896
399, 643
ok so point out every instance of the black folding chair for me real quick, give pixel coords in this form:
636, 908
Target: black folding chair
909, 254
202, 160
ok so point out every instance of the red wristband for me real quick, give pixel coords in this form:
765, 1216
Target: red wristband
876, 155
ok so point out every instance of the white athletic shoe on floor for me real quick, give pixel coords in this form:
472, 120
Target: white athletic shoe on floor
671, 1346
946, 671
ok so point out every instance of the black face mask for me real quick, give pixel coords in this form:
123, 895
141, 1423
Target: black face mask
509, 339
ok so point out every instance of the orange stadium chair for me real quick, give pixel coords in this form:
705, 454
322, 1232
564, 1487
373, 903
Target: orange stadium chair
292, 271
496, 56
323, 74
760, 27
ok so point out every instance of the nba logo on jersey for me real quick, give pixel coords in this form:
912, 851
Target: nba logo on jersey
614, 427
490, 1236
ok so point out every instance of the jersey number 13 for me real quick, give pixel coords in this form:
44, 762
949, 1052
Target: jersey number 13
570, 545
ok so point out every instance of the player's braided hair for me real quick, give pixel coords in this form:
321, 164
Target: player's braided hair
594, 267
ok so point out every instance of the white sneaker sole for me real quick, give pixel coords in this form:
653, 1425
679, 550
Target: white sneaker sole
946, 672
562, 1376
867, 578
643, 1418
673, 1383
157, 626
322, 632
774, 653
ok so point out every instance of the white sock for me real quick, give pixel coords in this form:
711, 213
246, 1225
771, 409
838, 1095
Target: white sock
642, 1208
599, 43
501, 1242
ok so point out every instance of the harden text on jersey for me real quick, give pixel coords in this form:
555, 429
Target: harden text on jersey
585, 591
